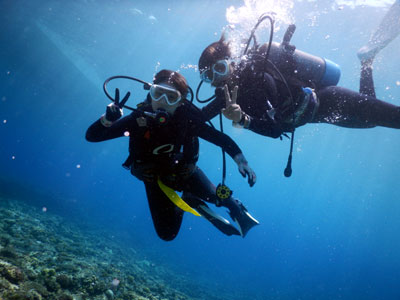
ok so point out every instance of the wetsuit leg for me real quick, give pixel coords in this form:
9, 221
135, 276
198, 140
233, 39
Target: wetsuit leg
388, 30
167, 217
198, 184
346, 108
366, 79
198, 187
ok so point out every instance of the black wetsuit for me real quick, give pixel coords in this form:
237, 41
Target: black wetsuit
266, 99
170, 152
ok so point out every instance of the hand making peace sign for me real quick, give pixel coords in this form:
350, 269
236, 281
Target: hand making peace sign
114, 110
232, 111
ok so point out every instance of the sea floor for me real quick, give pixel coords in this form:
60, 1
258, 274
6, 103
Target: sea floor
46, 256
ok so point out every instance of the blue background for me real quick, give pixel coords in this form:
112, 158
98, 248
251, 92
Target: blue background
330, 231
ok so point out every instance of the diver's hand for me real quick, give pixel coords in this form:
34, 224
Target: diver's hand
245, 169
114, 110
232, 111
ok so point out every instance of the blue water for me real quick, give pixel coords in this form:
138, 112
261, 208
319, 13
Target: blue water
331, 231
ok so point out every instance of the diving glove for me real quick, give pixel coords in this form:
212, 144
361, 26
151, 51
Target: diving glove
245, 169
114, 110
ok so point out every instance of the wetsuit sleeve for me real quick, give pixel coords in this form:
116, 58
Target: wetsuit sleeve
214, 107
215, 137
98, 133
266, 127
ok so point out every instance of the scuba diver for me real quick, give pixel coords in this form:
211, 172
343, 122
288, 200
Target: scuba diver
275, 88
163, 151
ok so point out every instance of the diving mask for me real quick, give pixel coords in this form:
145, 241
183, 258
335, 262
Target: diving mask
220, 68
163, 91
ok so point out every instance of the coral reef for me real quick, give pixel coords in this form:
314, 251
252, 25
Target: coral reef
42, 256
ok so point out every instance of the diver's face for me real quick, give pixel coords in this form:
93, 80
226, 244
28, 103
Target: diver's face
164, 96
218, 73
219, 80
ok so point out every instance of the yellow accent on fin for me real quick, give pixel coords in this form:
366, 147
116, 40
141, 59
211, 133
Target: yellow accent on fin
174, 197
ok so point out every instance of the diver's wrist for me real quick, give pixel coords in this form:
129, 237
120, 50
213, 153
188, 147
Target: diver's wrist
240, 159
244, 122
105, 122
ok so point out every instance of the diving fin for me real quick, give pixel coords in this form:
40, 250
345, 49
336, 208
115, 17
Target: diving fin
218, 221
174, 197
242, 218
388, 30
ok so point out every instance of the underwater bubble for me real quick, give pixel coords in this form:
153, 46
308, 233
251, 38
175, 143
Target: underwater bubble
157, 66
126, 133
188, 66
8, 72
241, 20
44, 209
4, 121
398, 82
327, 37
136, 11
13, 157
373, 3
78, 166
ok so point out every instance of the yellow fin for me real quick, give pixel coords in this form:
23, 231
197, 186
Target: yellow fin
174, 197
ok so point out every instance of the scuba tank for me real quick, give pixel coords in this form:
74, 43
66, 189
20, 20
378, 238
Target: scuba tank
297, 66
309, 69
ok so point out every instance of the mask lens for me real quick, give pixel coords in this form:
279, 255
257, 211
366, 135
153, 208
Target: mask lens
221, 67
157, 93
171, 95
